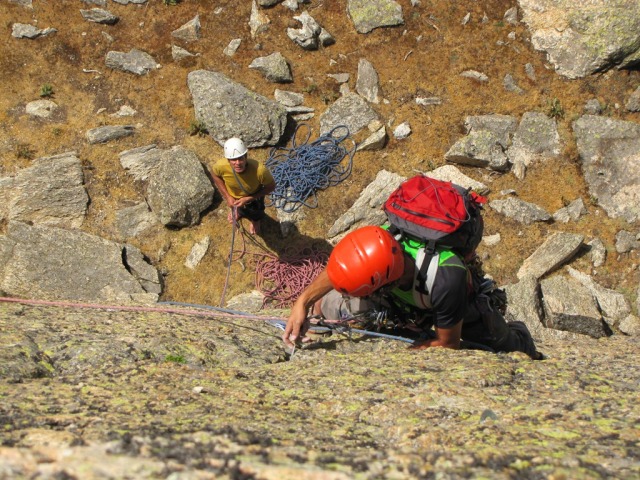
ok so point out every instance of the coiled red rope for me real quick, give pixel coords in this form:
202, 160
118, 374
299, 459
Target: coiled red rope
282, 280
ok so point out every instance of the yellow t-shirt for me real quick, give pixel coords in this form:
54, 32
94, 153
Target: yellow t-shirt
255, 175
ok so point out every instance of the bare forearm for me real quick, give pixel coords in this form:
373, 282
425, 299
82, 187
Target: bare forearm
222, 188
298, 323
445, 338
317, 289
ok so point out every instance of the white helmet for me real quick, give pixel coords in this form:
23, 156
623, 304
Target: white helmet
234, 148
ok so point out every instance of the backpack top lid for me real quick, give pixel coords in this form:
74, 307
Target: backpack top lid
437, 212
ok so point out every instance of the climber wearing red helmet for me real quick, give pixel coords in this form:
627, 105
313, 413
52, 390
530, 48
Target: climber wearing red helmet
361, 263
364, 261
369, 266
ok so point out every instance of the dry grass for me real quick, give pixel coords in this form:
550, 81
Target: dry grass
422, 58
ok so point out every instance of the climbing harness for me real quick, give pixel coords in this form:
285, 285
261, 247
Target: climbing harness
305, 168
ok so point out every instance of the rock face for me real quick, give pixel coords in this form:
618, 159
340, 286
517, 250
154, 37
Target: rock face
369, 14
580, 38
351, 110
274, 67
611, 163
569, 306
228, 109
179, 189
135, 61
339, 409
49, 192
56, 264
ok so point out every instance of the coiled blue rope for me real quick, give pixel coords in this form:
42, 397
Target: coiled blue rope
305, 168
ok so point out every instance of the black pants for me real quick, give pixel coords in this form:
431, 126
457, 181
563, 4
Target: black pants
491, 329
253, 210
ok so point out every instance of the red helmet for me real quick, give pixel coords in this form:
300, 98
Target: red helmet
365, 260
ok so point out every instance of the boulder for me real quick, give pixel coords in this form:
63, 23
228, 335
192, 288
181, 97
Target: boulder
367, 15
613, 305
610, 160
197, 253
627, 241
570, 306
368, 83
99, 15
179, 53
633, 103
258, 21
351, 110
581, 39
56, 264
311, 35
135, 61
571, 212
41, 108
535, 139
274, 67
135, 220
141, 161
232, 47
189, 32
520, 211
524, 306
49, 192
597, 252
556, 250
228, 109
449, 173
179, 189
366, 210
501, 126
375, 141
108, 133
22, 30
480, 148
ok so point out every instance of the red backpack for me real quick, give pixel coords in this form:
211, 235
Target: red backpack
439, 213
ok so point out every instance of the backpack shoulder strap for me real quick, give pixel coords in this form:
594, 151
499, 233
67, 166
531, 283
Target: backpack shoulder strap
427, 261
